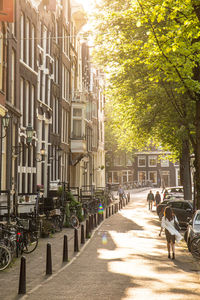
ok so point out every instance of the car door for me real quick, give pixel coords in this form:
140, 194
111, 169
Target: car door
187, 213
177, 208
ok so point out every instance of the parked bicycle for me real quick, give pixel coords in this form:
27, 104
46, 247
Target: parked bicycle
73, 219
19, 237
7, 246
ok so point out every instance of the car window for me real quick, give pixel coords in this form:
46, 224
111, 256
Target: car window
197, 219
176, 204
186, 206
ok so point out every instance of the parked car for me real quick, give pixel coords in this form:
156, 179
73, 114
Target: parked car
173, 190
183, 210
193, 229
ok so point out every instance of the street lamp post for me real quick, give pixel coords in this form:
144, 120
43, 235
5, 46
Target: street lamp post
5, 123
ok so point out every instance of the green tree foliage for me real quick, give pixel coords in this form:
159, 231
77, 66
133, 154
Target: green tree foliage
151, 50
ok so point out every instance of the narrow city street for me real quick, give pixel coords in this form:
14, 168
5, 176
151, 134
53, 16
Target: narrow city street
124, 259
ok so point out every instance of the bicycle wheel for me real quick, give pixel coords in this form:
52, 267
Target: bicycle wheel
195, 247
74, 221
5, 257
30, 242
57, 223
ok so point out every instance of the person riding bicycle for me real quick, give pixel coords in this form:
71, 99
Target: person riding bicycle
121, 194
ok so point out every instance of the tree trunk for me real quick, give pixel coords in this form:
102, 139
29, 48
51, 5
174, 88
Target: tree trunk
185, 173
197, 156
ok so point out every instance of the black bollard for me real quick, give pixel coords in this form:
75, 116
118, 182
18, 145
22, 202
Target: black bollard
48, 260
106, 212
22, 276
87, 229
109, 211
82, 235
92, 222
65, 249
95, 220
112, 210
76, 248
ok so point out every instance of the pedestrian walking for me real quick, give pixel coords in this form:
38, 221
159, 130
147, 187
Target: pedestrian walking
157, 198
150, 199
169, 221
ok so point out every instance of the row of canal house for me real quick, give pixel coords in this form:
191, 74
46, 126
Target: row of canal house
145, 168
53, 97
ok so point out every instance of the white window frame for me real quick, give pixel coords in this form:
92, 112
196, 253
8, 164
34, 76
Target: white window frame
27, 102
152, 157
139, 175
80, 118
141, 157
22, 36
13, 77
33, 47
156, 176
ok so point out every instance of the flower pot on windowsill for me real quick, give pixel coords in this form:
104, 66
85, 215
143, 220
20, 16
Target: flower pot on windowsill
27, 198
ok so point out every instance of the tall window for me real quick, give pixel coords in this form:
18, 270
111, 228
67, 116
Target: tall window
141, 176
77, 122
33, 47
65, 41
64, 126
22, 36
56, 64
13, 76
153, 177
27, 103
28, 34
65, 83
152, 161
141, 161
55, 115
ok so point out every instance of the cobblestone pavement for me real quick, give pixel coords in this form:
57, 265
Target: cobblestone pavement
124, 259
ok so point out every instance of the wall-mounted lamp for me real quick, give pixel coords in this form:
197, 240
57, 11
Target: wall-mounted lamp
29, 133
5, 123
40, 155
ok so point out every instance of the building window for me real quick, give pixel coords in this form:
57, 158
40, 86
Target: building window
56, 65
152, 161
13, 76
64, 126
164, 163
22, 36
115, 177
77, 126
33, 47
153, 177
65, 83
127, 176
28, 34
141, 161
65, 42
141, 176
55, 115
